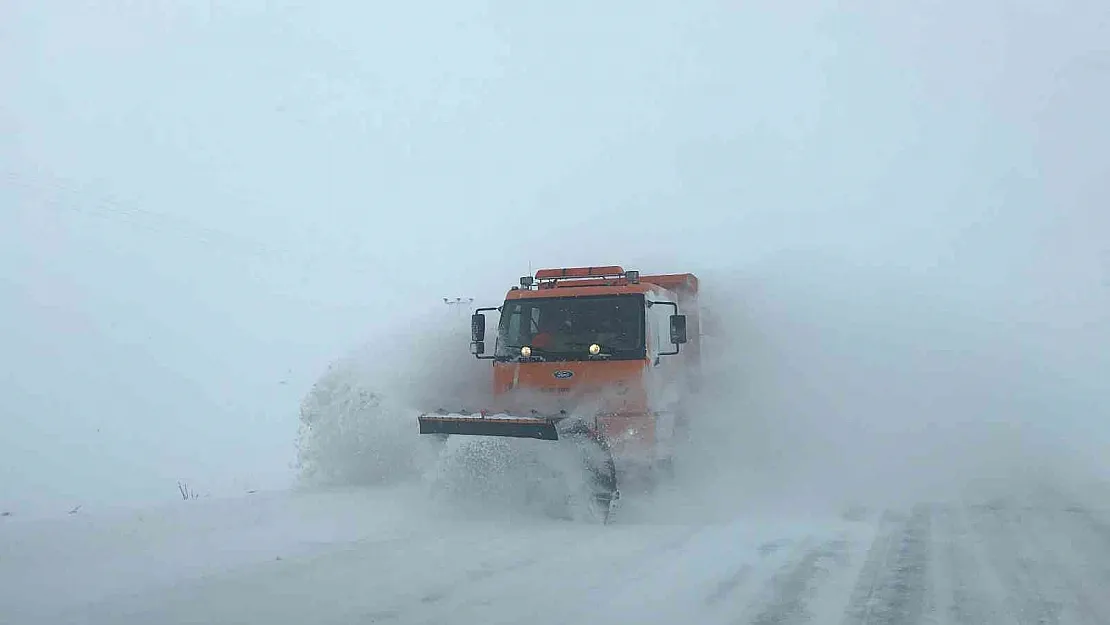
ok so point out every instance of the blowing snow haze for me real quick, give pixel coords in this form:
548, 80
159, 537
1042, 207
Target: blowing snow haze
900, 213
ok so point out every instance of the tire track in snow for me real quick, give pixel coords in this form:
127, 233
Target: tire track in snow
728, 585
868, 578
1075, 554
962, 596
1028, 599
894, 582
1052, 554
1093, 523
786, 595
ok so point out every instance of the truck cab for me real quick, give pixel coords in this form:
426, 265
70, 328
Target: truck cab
601, 343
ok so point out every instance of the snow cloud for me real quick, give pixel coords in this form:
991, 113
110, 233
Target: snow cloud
900, 212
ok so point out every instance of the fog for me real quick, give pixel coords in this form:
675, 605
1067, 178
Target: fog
897, 214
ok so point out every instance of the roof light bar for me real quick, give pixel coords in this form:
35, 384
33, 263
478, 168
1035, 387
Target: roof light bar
612, 275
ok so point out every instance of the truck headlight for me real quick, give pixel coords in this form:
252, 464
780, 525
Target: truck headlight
526, 351
595, 349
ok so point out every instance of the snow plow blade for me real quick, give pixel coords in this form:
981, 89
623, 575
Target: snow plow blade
479, 425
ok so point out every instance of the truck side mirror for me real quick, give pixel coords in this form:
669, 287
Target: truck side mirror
478, 329
678, 329
478, 333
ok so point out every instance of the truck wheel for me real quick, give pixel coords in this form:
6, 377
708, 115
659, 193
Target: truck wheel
601, 472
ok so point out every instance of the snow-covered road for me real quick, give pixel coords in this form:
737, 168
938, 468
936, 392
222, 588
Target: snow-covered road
389, 556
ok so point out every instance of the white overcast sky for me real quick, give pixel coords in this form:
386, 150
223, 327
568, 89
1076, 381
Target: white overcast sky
204, 202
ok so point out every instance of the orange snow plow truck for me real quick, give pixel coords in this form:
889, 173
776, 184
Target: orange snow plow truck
600, 356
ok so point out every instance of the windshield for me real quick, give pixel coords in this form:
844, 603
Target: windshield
563, 328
